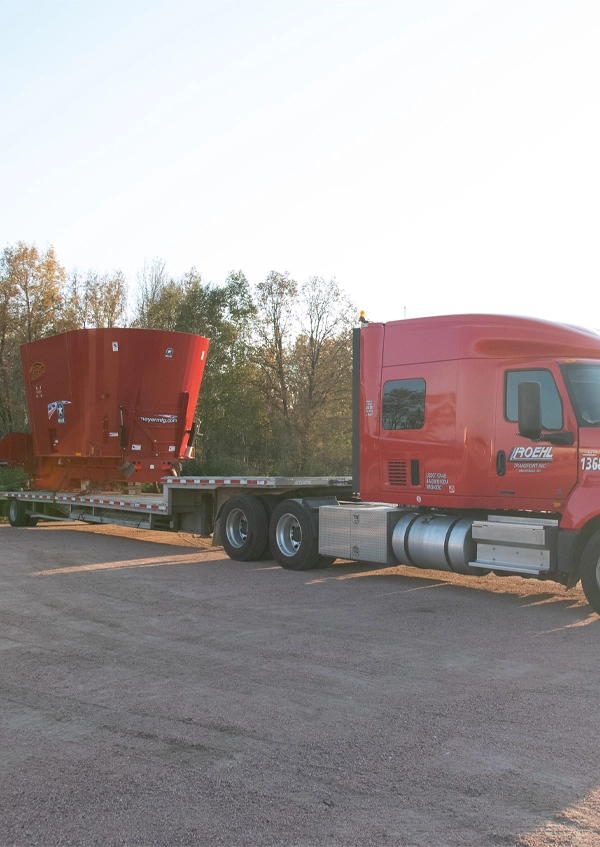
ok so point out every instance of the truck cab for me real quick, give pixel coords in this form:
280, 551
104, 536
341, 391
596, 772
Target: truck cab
489, 417
439, 414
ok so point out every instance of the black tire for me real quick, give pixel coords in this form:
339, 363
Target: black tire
32, 520
244, 528
294, 539
17, 516
589, 569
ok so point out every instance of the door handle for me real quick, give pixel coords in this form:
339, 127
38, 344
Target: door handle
501, 463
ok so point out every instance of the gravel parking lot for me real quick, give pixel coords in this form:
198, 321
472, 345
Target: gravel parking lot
155, 692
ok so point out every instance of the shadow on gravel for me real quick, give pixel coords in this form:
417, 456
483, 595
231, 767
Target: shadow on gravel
518, 591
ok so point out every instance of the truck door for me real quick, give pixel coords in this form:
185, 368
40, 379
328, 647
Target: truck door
536, 470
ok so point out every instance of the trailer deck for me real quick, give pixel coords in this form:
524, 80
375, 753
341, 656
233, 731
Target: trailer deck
189, 503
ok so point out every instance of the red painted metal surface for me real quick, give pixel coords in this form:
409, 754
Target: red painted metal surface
15, 449
463, 360
101, 399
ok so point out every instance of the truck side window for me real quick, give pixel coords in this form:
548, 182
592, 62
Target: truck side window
583, 382
403, 404
552, 413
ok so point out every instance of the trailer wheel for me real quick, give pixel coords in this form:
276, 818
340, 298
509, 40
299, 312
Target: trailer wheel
590, 571
17, 516
245, 528
293, 538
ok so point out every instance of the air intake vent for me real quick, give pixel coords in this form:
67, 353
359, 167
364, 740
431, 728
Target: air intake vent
397, 473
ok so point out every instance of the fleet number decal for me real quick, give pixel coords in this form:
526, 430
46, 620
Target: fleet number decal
589, 463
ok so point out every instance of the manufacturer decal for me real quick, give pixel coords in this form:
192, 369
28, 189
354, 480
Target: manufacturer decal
531, 454
169, 353
37, 371
59, 408
369, 409
160, 419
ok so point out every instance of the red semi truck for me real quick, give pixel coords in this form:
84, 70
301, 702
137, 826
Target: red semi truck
476, 449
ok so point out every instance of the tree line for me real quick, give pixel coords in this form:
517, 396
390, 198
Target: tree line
276, 393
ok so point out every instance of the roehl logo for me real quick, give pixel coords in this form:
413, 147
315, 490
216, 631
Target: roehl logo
531, 454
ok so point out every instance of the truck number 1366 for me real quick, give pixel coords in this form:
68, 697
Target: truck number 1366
590, 464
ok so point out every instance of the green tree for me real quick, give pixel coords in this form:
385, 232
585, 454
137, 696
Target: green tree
97, 300
8, 347
33, 304
305, 372
229, 409
159, 297
276, 299
322, 378
37, 281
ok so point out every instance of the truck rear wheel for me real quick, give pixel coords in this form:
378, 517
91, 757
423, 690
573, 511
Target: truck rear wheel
294, 538
245, 528
17, 516
590, 571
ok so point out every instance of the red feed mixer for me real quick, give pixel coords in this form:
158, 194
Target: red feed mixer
107, 406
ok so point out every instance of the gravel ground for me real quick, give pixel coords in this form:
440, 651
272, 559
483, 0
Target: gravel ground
153, 692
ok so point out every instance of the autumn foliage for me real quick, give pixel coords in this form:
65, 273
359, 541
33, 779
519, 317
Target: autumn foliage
276, 395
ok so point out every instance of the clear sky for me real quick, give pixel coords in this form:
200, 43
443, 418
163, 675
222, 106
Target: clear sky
435, 156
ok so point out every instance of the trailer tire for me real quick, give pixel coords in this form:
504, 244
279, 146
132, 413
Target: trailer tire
294, 539
244, 528
17, 516
590, 571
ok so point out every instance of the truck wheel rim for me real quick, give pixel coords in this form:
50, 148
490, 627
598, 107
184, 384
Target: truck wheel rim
236, 528
288, 535
598, 573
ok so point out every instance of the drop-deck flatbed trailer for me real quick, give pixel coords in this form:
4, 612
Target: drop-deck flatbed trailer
187, 504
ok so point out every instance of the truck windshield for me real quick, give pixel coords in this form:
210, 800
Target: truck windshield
583, 382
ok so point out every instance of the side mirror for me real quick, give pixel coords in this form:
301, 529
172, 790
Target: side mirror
529, 408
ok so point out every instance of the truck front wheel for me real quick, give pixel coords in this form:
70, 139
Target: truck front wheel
590, 571
17, 516
294, 538
244, 528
